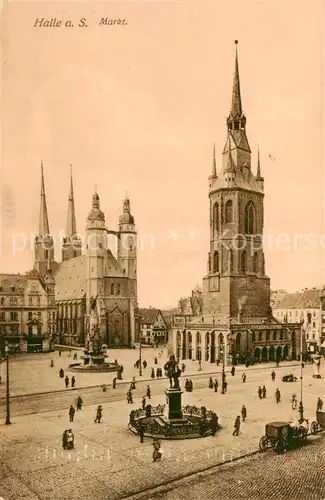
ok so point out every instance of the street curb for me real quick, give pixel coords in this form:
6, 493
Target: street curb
123, 382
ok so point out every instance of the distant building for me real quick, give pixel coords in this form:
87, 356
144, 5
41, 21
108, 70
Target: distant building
27, 311
302, 306
153, 326
233, 311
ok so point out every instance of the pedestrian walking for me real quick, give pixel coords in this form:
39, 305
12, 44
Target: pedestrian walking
75, 356
243, 377
129, 397
183, 367
72, 411
263, 391
99, 414
144, 364
233, 370
243, 413
73, 382
133, 383
259, 392
61, 373
294, 402
216, 385
79, 403
273, 375
52, 363
319, 404
141, 433
152, 373
211, 383
156, 450
66, 381
143, 403
148, 392
214, 422
277, 396
236, 426
59, 353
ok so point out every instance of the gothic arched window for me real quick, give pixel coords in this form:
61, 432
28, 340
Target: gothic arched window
112, 289
118, 289
243, 262
255, 263
250, 218
228, 212
216, 216
216, 262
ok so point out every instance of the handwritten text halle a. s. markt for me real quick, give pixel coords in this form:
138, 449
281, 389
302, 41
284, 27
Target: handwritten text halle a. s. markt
53, 22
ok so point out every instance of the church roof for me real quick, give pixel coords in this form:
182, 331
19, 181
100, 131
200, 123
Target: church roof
71, 277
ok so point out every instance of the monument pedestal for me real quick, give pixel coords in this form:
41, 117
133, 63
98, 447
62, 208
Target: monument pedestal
174, 397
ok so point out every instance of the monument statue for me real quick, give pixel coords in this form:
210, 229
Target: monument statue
93, 303
173, 372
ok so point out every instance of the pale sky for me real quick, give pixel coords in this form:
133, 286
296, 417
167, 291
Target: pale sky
138, 108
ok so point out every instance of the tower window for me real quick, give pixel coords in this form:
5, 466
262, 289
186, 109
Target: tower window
236, 125
112, 289
118, 290
216, 262
255, 262
243, 262
250, 218
216, 216
229, 212
230, 260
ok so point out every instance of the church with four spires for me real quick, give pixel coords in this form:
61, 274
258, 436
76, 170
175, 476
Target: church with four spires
51, 303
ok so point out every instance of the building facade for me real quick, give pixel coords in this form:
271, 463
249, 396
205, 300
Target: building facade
153, 326
95, 274
236, 310
304, 306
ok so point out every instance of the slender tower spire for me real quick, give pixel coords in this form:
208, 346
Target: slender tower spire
236, 105
43, 217
43, 246
214, 164
71, 229
258, 176
71, 242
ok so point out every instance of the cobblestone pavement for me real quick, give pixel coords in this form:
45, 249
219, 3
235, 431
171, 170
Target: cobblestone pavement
297, 475
39, 376
109, 463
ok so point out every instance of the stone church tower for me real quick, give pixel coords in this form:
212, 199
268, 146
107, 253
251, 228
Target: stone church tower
236, 284
71, 245
126, 251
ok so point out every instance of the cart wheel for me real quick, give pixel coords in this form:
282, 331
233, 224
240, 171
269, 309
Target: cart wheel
279, 448
314, 427
263, 444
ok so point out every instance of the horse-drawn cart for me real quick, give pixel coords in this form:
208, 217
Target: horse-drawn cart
319, 424
283, 436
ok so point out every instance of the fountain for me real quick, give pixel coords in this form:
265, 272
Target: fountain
172, 420
93, 357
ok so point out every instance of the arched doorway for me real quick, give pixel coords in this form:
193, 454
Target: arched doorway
198, 353
178, 344
257, 353
271, 354
189, 339
279, 353
207, 346
213, 348
184, 345
285, 352
264, 354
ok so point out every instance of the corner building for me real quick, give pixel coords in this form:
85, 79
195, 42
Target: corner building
236, 290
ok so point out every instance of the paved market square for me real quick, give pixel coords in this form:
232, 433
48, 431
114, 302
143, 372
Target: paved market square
109, 462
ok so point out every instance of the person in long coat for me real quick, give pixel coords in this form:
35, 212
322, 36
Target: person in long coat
99, 414
72, 411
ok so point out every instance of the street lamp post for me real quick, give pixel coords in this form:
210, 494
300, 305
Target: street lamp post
301, 406
7, 387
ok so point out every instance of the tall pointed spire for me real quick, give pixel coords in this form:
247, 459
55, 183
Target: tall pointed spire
214, 165
71, 229
236, 105
258, 176
44, 227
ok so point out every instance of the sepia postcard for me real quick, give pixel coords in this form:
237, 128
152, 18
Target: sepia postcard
162, 250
